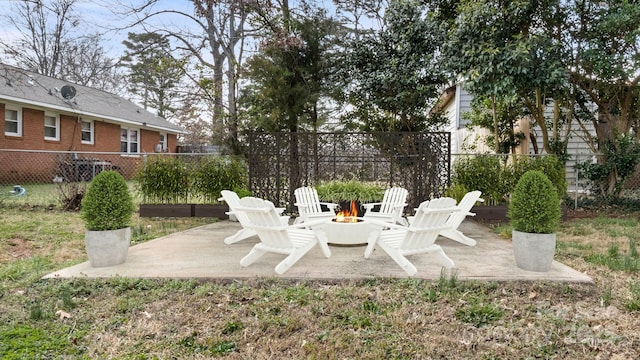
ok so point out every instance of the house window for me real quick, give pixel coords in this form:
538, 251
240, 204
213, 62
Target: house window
129, 141
12, 121
163, 142
87, 132
51, 126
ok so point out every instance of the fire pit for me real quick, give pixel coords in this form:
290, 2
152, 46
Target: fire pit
347, 228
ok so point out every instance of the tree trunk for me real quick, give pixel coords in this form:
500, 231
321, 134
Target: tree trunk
496, 130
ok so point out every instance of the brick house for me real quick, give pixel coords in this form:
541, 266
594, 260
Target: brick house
43, 114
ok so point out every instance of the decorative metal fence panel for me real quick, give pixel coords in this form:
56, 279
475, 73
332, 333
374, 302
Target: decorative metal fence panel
281, 162
421, 163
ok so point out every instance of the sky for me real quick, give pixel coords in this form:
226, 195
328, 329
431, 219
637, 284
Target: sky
107, 17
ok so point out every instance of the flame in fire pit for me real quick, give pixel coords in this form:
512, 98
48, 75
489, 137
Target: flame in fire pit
348, 215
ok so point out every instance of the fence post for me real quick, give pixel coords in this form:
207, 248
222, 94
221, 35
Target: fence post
575, 195
144, 165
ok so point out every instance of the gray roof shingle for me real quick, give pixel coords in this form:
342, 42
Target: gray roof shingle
21, 86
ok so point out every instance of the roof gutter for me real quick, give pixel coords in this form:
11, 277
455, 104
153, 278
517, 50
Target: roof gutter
88, 114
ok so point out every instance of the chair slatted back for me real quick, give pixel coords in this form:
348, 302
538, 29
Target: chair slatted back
465, 206
265, 220
233, 200
308, 196
429, 220
392, 198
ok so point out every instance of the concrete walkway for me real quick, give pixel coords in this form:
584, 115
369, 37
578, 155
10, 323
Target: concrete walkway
201, 253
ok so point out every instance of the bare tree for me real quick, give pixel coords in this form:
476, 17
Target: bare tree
85, 62
358, 15
217, 44
47, 39
43, 29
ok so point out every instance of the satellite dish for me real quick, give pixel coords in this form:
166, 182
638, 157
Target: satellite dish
68, 92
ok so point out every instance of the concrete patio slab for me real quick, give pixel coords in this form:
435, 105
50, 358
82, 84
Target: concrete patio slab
201, 253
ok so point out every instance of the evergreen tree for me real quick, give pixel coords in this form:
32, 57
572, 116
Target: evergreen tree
154, 74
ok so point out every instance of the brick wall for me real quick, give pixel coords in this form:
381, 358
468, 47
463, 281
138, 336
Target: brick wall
148, 140
22, 167
107, 135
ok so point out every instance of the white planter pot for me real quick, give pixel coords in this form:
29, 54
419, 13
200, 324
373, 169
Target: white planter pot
533, 252
107, 248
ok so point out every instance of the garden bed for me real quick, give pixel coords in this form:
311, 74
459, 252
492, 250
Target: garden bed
184, 210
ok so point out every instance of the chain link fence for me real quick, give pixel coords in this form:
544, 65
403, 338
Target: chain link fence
48, 177
51, 179
589, 194
582, 193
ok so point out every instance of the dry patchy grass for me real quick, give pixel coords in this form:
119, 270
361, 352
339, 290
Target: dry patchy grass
272, 318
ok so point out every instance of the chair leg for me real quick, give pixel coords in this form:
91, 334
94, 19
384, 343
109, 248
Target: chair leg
457, 235
293, 258
409, 268
240, 235
255, 253
405, 264
373, 238
444, 259
323, 242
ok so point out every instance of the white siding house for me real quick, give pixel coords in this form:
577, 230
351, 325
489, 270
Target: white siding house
455, 102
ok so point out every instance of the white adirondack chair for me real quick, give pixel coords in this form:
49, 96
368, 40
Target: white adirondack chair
292, 240
310, 207
454, 221
418, 238
233, 200
391, 207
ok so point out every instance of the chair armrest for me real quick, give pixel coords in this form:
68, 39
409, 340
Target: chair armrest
439, 228
242, 209
400, 206
369, 206
285, 220
452, 210
383, 224
280, 210
331, 206
309, 223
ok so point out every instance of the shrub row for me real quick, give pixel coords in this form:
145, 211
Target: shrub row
188, 179
497, 176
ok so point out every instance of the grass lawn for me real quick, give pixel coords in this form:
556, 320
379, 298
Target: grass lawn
271, 318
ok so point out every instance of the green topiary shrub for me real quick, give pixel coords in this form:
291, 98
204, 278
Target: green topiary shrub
549, 165
534, 206
107, 204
